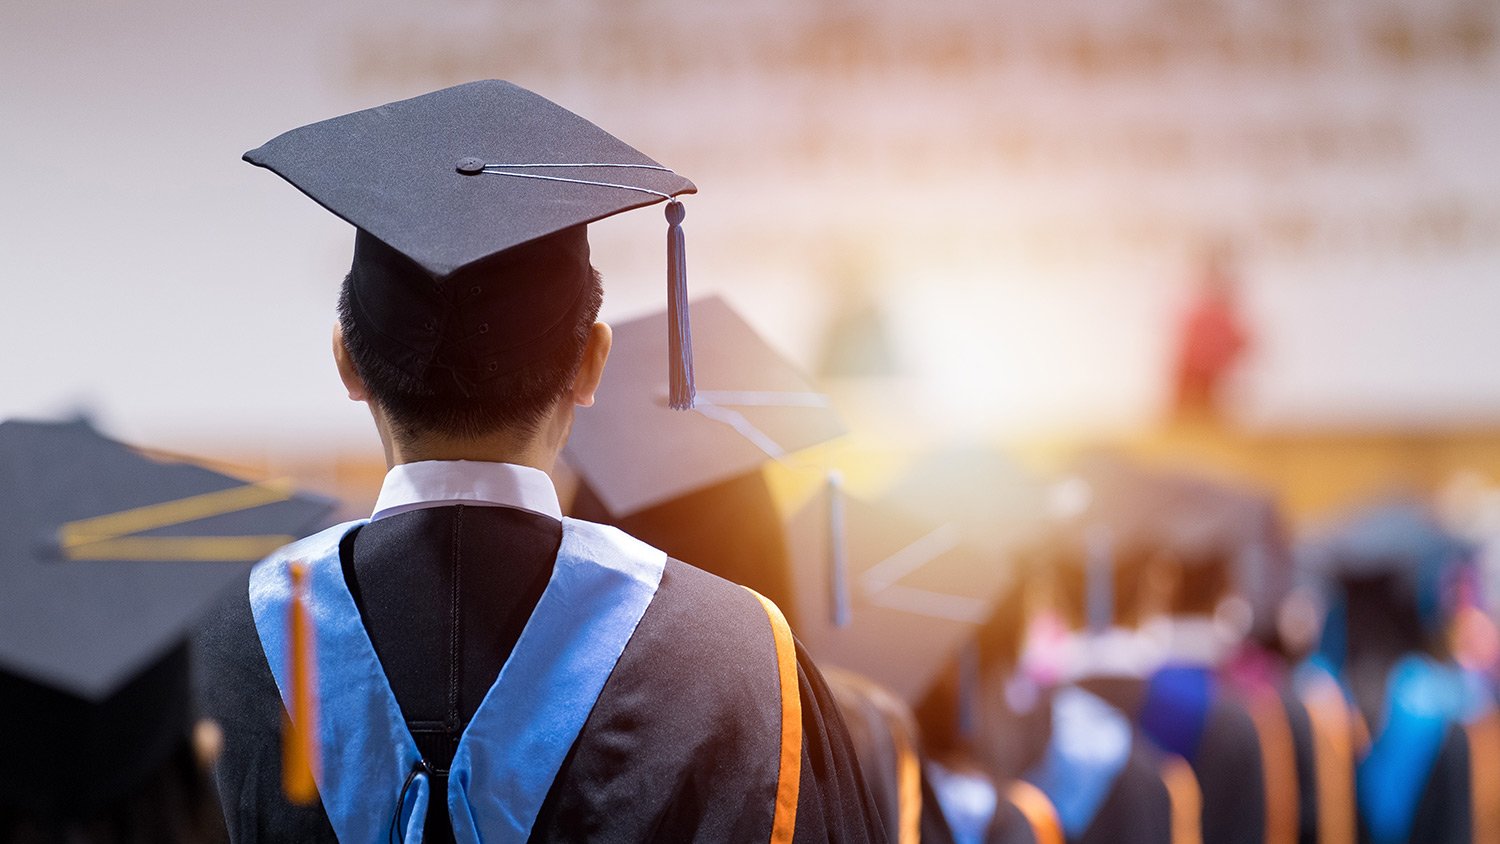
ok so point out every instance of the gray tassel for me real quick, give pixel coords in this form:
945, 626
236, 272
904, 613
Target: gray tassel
680, 341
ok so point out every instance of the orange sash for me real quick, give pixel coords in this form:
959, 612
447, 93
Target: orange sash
1038, 811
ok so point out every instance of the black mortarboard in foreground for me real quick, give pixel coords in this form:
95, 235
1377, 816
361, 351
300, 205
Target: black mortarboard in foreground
109, 557
753, 407
471, 258
916, 592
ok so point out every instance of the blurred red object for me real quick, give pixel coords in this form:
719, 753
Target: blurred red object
1213, 339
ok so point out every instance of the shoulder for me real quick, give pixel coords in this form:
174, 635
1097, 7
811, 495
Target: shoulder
698, 673
1229, 722
704, 648
703, 609
1141, 782
703, 622
226, 647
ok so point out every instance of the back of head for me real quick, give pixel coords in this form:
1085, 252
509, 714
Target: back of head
495, 367
1194, 581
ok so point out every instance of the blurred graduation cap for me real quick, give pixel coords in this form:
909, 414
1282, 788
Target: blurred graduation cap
1400, 539
109, 558
1201, 518
997, 502
910, 595
753, 407
471, 258
690, 483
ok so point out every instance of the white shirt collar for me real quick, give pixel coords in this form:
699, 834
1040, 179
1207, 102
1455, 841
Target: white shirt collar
1114, 652
1194, 640
441, 483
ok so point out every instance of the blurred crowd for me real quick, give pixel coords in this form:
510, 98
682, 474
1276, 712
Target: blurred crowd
1159, 658
1111, 651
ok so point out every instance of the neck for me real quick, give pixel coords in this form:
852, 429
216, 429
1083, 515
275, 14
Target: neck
523, 454
538, 450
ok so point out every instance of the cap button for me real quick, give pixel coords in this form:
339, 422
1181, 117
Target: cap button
470, 166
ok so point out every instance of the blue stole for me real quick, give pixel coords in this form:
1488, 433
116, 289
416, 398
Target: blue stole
511, 751
1423, 699
1088, 748
1175, 712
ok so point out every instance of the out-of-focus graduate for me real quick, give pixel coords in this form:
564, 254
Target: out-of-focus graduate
1187, 709
979, 506
1203, 546
980, 742
109, 556
1081, 683
1388, 727
487, 669
692, 483
695, 485
893, 599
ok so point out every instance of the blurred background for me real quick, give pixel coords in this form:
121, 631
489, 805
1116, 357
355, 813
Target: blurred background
1256, 238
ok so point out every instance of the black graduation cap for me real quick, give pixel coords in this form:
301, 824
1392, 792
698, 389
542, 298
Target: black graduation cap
753, 407
471, 257
1201, 518
1400, 541
109, 557
999, 504
914, 593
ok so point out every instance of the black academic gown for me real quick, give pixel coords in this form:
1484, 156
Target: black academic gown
676, 747
1006, 744
889, 749
1139, 807
1226, 761
1444, 812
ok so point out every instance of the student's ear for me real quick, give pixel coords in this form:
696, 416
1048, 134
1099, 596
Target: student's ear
347, 373
591, 371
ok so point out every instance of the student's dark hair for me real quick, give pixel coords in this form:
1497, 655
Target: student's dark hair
517, 403
1200, 579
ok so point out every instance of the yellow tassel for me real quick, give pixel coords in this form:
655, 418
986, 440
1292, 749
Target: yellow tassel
299, 748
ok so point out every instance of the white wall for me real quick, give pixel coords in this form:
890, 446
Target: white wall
1030, 180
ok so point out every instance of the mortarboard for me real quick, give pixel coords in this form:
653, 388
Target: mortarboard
1200, 519
916, 592
1400, 541
753, 407
471, 205
689, 483
998, 503
110, 557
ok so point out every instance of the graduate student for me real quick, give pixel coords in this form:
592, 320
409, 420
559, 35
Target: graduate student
1187, 710
486, 669
693, 484
697, 488
1393, 743
1082, 748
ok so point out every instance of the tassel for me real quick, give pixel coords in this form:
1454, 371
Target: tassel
680, 342
838, 551
299, 752
968, 690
